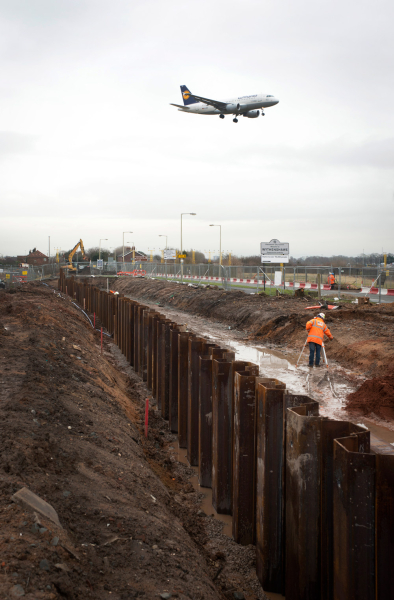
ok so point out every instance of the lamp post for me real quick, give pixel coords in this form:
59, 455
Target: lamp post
101, 240
162, 258
220, 244
162, 235
193, 214
123, 245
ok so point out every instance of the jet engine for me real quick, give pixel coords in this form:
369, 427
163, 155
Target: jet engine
232, 108
252, 114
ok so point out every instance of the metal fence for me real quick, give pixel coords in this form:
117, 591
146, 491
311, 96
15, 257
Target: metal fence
256, 278
14, 276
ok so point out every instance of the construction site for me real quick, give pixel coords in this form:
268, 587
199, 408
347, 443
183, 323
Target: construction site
161, 440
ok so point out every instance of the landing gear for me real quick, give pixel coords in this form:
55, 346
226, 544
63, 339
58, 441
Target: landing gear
235, 120
221, 116
262, 114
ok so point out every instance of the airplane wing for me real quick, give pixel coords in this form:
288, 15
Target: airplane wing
180, 106
214, 103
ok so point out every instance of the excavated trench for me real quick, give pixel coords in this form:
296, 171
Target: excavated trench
329, 386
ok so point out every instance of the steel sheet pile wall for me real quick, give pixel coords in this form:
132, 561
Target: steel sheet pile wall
316, 496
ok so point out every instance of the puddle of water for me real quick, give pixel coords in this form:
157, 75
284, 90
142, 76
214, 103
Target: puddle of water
329, 387
206, 502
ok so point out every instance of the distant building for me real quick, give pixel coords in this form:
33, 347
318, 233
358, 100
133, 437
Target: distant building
128, 256
35, 258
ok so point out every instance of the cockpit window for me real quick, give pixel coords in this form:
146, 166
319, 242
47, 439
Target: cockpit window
269, 96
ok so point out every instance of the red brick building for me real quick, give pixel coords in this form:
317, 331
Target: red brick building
34, 258
128, 257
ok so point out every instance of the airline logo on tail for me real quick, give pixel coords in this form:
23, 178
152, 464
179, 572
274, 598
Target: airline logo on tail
187, 96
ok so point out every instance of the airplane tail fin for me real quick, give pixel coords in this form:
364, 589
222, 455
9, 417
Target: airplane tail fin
187, 96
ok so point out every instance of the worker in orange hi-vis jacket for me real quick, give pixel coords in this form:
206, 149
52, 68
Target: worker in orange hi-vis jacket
316, 329
331, 279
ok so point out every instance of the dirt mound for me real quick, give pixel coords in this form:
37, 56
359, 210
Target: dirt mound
374, 396
363, 335
71, 424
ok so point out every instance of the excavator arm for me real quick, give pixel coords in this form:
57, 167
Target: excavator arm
72, 253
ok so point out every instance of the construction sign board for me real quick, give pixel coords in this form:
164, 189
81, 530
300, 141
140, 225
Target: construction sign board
169, 254
274, 252
100, 263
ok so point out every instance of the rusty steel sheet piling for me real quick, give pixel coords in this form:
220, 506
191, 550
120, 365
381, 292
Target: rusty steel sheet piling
167, 326
196, 347
145, 344
160, 361
173, 385
183, 353
222, 388
136, 365
149, 354
354, 520
269, 484
309, 499
244, 458
205, 421
384, 510
156, 320
303, 484
329, 431
132, 304
140, 316
141, 344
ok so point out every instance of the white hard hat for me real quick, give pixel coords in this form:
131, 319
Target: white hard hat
321, 315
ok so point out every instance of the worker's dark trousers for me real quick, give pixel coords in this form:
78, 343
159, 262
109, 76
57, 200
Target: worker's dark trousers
312, 348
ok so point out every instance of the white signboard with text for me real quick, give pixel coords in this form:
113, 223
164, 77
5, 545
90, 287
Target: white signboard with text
274, 252
100, 263
169, 254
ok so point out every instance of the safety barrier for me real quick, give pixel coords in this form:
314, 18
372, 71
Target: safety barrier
315, 496
375, 290
268, 283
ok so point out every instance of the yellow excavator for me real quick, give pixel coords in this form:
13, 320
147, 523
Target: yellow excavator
69, 266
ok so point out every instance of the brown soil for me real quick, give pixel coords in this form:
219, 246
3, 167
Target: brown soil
363, 335
374, 396
71, 431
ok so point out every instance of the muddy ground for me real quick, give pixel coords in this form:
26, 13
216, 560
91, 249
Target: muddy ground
363, 335
71, 430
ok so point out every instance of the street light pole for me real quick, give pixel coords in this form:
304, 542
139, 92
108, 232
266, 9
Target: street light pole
193, 214
101, 240
220, 243
123, 245
162, 235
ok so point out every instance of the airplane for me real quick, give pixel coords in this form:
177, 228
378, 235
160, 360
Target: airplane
247, 106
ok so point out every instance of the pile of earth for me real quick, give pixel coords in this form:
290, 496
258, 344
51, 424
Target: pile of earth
374, 396
363, 334
71, 431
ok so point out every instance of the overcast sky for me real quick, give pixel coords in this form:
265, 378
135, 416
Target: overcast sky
89, 146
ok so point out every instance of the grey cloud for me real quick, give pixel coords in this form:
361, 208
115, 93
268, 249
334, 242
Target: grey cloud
16, 143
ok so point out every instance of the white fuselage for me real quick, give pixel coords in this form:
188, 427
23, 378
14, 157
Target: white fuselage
238, 105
